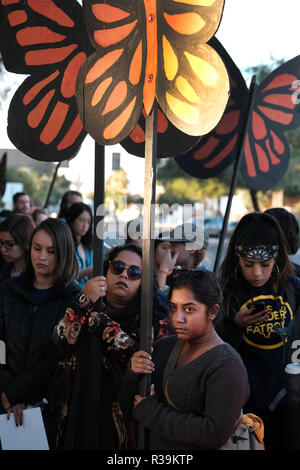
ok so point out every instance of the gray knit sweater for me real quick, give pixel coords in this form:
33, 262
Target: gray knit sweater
210, 392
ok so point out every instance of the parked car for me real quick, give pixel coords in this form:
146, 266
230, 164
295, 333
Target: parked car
214, 225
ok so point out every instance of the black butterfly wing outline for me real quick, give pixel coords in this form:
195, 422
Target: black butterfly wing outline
3, 163
47, 40
275, 111
219, 148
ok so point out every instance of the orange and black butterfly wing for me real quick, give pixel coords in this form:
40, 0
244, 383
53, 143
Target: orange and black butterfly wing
275, 111
45, 39
170, 140
220, 147
192, 81
110, 83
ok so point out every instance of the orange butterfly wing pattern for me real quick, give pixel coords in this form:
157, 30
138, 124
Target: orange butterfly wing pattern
134, 64
109, 86
193, 85
266, 150
47, 40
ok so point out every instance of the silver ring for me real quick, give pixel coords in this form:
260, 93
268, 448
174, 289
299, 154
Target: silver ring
102, 289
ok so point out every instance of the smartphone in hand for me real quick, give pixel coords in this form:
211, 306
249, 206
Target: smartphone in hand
259, 306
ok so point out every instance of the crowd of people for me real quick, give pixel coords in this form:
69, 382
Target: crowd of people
220, 341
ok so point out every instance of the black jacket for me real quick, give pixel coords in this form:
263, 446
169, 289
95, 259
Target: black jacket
27, 319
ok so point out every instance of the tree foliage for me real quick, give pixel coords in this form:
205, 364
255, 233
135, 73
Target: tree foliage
261, 71
184, 189
36, 181
116, 186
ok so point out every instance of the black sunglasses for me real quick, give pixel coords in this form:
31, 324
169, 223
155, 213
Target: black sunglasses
133, 272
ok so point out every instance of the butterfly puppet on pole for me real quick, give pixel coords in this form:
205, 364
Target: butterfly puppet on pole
250, 133
96, 69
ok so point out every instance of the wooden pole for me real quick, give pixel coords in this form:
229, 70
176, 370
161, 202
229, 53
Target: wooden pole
95, 408
251, 97
148, 251
99, 196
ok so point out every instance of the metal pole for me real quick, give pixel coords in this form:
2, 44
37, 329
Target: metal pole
148, 251
51, 185
251, 97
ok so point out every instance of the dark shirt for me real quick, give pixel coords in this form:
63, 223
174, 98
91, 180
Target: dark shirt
40, 294
260, 345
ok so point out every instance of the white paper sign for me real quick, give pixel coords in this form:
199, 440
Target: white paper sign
30, 436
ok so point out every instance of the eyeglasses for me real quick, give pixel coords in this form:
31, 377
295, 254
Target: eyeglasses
200, 274
133, 272
8, 245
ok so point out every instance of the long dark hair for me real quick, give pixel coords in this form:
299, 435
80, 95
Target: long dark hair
289, 225
20, 226
66, 262
63, 210
75, 210
255, 229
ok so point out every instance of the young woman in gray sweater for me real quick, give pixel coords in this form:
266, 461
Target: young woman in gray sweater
196, 404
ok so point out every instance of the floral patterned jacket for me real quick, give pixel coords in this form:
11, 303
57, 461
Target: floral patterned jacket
117, 347
82, 313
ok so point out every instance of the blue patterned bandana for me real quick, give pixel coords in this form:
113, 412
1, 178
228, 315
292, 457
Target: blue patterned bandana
257, 252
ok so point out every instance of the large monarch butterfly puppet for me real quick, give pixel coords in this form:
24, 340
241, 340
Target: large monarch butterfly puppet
119, 56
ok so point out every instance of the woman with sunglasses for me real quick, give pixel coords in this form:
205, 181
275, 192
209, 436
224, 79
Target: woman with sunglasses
15, 234
116, 322
199, 382
30, 306
261, 297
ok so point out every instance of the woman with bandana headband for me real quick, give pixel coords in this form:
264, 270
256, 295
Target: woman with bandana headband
261, 296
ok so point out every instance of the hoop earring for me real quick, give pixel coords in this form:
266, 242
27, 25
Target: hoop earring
277, 271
